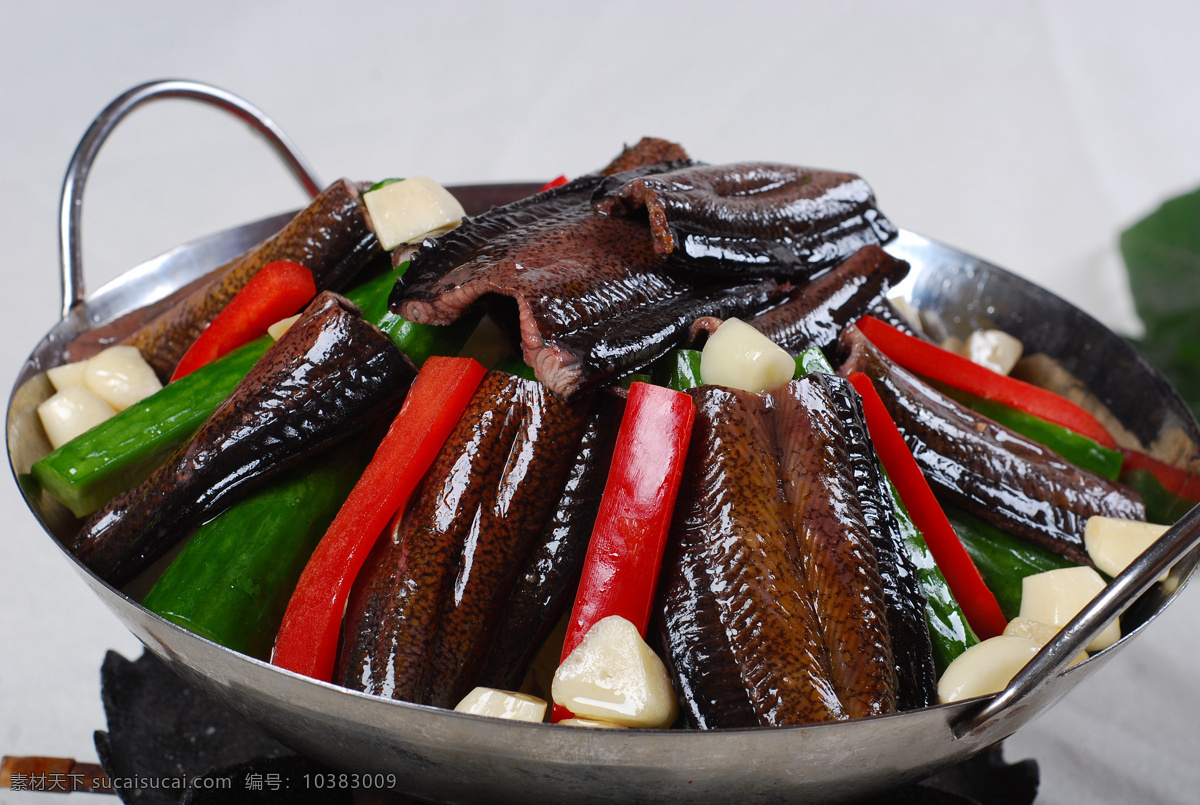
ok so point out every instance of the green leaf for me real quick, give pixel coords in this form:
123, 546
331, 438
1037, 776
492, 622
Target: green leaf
1162, 256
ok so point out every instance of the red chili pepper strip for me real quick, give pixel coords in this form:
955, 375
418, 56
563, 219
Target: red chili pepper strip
1179, 483
553, 183
977, 601
277, 291
625, 554
954, 370
308, 637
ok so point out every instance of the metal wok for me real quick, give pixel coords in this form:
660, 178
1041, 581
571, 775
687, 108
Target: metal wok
442, 755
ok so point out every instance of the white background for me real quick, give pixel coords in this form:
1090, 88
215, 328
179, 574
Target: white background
1028, 133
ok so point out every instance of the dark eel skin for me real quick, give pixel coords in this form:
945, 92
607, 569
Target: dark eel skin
421, 613
998, 475
593, 298
816, 313
645, 152
328, 377
835, 546
332, 237
912, 652
771, 607
547, 584
755, 219
600, 291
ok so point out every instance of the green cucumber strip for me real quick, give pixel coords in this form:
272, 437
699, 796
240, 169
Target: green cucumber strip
679, 369
812, 360
1004, 560
417, 341
232, 581
1075, 448
949, 632
365, 293
1162, 506
116, 455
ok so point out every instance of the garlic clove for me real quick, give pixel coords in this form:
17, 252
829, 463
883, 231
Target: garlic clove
740, 357
613, 676
503, 704
1057, 596
70, 412
120, 376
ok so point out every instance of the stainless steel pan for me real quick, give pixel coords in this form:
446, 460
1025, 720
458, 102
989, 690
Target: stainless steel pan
442, 755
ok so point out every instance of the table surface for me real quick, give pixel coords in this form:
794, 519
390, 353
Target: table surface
1030, 136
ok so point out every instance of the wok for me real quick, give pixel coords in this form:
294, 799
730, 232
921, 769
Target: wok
446, 756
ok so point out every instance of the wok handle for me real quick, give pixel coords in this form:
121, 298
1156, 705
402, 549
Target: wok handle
70, 248
1028, 689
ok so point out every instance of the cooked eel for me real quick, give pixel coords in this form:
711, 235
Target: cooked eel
331, 237
328, 377
754, 219
835, 546
815, 313
551, 574
421, 613
600, 291
594, 300
771, 604
1000, 476
912, 653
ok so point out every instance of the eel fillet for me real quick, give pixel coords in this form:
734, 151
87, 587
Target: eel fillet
331, 237
421, 614
771, 606
329, 376
990, 471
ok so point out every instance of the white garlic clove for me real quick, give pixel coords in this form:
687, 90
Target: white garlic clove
504, 704
995, 349
405, 211
121, 377
70, 412
1113, 544
280, 327
1057, 596
613, 676
740, 357
985, 668
67, 375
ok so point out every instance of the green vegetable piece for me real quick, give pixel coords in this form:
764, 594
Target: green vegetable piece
383, 183
635, 377
1162, 506
516, 366
1074, 447
116, 455
417, 341
679, 369
1162, 257
949, 632
1003, 560
812, 360
232, 581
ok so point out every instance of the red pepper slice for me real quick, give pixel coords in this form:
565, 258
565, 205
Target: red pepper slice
977, 601
553, 183
625, 554
308, 637
277, 291
954, 370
